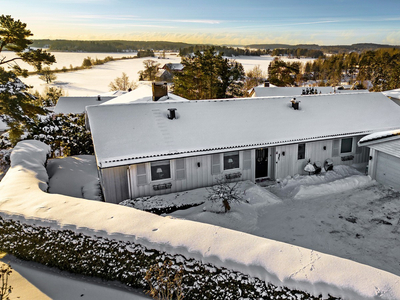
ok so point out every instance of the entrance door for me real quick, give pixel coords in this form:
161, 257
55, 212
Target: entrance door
261, 162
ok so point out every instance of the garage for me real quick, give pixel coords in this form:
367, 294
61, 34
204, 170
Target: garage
388, 170
384, 163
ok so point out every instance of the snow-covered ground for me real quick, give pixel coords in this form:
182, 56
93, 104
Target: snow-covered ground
33, 281
341, 212
95, 81
355, 218
74, 176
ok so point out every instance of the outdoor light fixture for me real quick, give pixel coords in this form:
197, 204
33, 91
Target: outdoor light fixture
198, 164
324, 147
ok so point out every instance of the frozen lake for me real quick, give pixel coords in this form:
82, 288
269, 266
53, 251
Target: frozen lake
95, 81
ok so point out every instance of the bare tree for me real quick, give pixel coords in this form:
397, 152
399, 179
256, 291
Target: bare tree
5, 289
47, 75
226, 192
122, 84
165, 281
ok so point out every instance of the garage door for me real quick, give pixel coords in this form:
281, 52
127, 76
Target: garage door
388, 170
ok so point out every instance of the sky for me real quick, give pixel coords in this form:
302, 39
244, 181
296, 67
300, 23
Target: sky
220, 22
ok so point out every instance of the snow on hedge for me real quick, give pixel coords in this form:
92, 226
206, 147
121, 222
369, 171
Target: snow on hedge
22, 197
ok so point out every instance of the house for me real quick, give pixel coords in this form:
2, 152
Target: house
384, 157
77, 104
164, 75
145, 93
268, 91
167, 72
173, 67
154, 148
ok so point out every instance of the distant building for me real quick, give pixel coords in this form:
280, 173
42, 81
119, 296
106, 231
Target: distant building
77, 104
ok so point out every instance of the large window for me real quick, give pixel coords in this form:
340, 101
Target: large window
160, 170
301, 151
231, 160
347, 145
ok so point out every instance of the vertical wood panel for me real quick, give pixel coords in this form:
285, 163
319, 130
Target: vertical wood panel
115, 184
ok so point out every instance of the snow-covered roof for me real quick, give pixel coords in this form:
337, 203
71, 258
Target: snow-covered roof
381, 136
77, 105
174, 66
134, 133
261, 91
384, 141
392, 93
142, 94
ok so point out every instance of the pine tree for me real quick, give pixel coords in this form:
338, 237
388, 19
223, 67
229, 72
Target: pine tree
208, 75
17, 106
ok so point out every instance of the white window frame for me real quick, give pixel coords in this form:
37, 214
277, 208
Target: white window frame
238, 160
159, 164
352, 147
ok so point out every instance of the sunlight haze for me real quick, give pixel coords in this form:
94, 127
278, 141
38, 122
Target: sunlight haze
212, 22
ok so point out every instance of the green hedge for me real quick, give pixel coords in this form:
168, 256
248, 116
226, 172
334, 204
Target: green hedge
129, 262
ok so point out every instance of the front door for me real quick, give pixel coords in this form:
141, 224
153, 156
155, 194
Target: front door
261, 162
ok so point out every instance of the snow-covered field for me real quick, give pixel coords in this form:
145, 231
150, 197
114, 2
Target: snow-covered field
355, 218
95, 81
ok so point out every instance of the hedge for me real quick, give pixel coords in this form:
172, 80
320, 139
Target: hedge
128, 263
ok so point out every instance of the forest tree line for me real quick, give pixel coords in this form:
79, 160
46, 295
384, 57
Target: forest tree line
105, 46
335, 49
298, 52
224, 50
381, 67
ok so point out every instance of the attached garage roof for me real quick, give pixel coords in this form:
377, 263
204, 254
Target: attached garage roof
133, 133
385, 141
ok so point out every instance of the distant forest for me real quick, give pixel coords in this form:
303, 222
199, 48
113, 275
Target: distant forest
227, 51
326, 49
307, 50
106, 46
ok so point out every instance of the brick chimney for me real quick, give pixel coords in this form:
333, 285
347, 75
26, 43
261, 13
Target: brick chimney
160, 90
266, 83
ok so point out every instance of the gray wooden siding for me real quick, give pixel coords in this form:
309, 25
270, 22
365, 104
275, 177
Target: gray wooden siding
200, 171
189, 173
289, 165
115, 184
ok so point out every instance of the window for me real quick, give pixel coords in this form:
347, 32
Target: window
301, 151
231, 160
347, 145
160, 170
